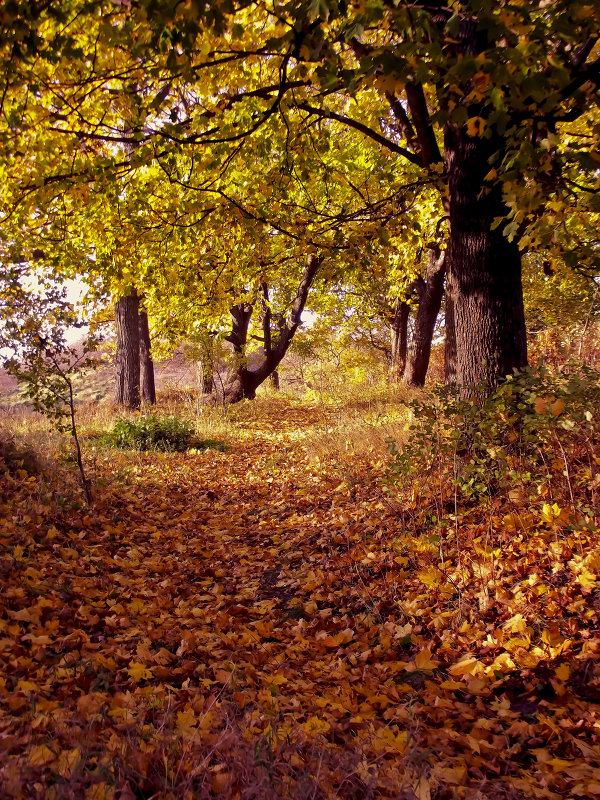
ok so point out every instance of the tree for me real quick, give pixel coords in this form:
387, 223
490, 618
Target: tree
480, 100
33, 325
246, 379
127, 361
431, 290
147, 386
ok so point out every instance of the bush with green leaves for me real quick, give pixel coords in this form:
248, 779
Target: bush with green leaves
169, 434
539, 427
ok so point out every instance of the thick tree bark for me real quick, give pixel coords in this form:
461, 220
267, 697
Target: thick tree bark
240, 384
147, 384
485, 268
399, 340
245, 382
427, 314
128, 351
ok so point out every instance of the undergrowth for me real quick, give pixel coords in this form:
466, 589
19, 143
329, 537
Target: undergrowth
538, 430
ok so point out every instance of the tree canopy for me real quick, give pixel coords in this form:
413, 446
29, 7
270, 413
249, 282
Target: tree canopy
195, 150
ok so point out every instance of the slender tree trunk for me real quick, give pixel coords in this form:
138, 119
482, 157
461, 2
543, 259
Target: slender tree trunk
128, 351
207, 380
146, 364
399, 340
450, 342
275, 380
427, 314
485, 268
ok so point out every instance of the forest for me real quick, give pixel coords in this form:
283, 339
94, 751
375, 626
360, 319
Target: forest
299, 395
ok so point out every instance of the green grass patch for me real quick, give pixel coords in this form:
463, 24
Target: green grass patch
167, 434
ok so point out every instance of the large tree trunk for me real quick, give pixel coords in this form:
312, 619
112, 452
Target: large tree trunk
146, 364
399, 340
427, 314
128, 351
485, 268
240, 385
245, 382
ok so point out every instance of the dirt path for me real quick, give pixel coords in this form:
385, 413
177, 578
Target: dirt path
244, 624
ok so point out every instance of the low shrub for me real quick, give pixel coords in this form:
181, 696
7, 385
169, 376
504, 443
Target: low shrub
169, 434
537, 429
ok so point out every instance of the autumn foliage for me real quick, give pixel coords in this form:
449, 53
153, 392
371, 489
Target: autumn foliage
272, 621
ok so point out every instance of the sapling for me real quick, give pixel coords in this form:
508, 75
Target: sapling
34, 349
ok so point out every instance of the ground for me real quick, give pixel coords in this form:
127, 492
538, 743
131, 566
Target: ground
276, 621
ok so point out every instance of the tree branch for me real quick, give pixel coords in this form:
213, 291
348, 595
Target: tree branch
364, 129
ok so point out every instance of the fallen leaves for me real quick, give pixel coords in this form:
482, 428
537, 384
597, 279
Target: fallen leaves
201, 630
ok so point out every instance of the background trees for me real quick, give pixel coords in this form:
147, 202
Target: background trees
132, 134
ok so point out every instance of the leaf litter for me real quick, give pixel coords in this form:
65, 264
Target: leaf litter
256, 623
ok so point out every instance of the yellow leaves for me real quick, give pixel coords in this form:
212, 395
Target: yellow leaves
139, 672
100, 791
553, 514
516, 624
475, 126
514, 644
40, 756
553, 638
311, 649
528, 659
424, 662
389, 740
502, 663
26, 686
343, 637
389, 83
580, 567
67, 762
430, 577
315, 726
186, 723
586, 578
468, 665
136, 606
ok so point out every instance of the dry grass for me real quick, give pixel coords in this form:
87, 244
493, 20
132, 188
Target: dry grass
359, 423
346, 431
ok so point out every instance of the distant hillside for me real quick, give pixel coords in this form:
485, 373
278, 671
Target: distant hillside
98, 385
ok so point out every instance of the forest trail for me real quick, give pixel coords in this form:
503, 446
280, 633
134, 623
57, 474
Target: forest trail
250, 623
